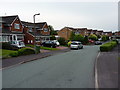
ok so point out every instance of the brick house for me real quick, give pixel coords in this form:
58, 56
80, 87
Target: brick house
108, 34
11, 29
82, 31
89, 31
100, 32
40, 34
94, 32
117, 33
65, 32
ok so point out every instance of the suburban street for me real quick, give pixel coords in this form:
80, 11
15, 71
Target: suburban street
74, 69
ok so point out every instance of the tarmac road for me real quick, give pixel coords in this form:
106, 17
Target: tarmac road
73, 69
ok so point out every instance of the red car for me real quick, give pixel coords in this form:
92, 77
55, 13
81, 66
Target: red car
91, 41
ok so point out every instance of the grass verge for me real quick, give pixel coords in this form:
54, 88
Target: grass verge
6, 53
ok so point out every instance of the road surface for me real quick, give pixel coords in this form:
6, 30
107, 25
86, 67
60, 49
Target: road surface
74, 69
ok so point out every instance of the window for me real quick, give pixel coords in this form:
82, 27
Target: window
4, 38
28, 41
0, 26
45, 30
0, 38
17, 26
31, 41
30, 30
37, 39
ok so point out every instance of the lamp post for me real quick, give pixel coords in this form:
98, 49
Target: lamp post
35, 32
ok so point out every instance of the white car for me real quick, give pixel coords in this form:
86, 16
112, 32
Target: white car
18, 44
76, 45
56, 42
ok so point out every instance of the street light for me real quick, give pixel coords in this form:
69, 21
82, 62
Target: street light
35, 32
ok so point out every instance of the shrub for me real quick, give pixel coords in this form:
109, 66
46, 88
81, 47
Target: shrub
26, 51
53, 38
93, 37
108, 46
69, 43
37, 49
86, 41
13, 54
62, 41
79, 38
29, 45
8, 46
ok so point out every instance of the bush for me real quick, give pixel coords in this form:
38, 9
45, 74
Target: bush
93, 37
29, 45
69, 43
26, 51
86, 41
53, 38
13, 54
105, 38
79, 38
108, 46
8, 46
62, 41
37, 49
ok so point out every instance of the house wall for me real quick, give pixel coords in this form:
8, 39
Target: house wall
45, 33
17, 21
29, 39
65, 33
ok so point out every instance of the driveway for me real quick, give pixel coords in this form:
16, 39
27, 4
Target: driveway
74, 69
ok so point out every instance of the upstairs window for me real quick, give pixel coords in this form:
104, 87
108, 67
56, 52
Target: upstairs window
45, 29
30, 30
17, 26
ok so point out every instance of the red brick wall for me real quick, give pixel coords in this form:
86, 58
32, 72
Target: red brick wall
28, 37
17, 21
45, 33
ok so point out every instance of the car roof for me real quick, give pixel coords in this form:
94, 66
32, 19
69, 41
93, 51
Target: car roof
76, 42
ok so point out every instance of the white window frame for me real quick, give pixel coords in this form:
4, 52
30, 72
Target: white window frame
45, 29
16, 26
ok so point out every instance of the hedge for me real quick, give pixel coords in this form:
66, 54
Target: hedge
26, 51
108, 46
8, 46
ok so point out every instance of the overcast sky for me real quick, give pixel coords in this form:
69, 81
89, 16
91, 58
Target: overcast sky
74, 13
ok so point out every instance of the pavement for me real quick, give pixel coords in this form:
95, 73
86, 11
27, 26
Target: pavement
73, 69
23, 59
107, 68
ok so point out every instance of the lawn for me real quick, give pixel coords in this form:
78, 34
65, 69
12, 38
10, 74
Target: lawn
41, 47
47, 48
5, 53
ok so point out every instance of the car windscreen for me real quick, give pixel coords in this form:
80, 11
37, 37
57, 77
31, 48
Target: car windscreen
74, 43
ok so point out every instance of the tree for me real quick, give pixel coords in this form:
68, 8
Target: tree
93, 37
62, 41
53, 37
78, 38
105, 38
72, 36
52, 31
86, 41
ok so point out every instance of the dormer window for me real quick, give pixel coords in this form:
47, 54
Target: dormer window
30, 30
17, 26
45, 29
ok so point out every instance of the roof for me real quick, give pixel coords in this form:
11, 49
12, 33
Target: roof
9, 32
39, 25
37, 34
8, 19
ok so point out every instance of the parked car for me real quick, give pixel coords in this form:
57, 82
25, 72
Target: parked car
76, 45
98, 43
18, 44
49, 44
57, 43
